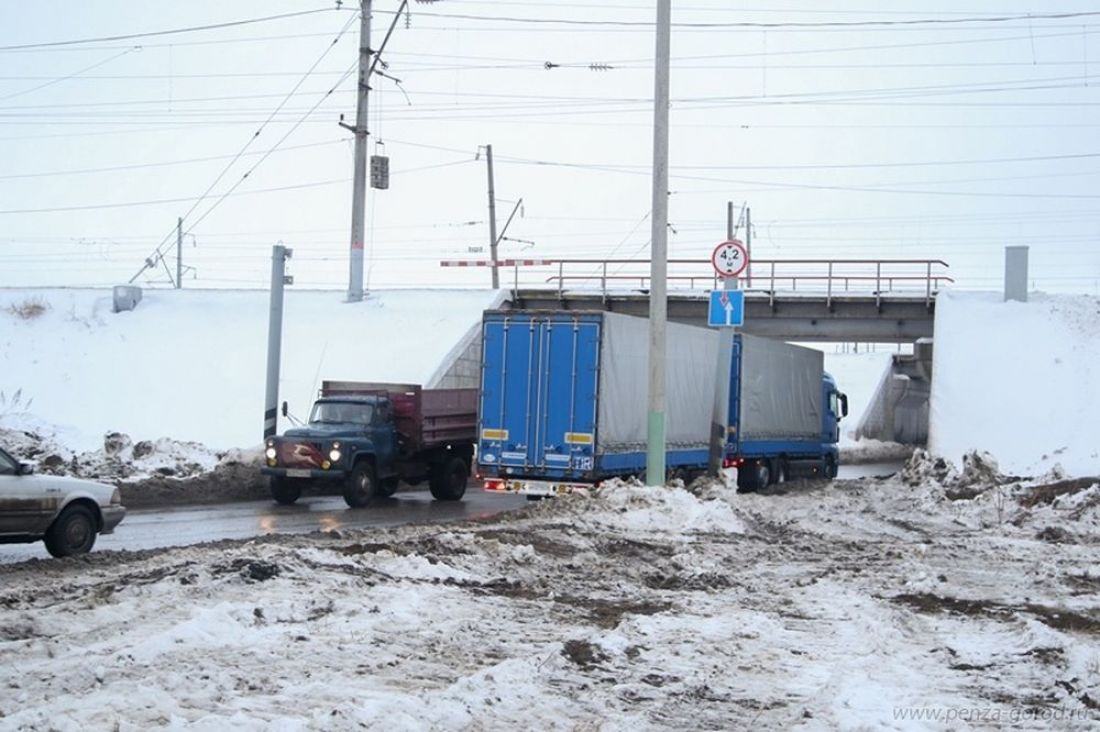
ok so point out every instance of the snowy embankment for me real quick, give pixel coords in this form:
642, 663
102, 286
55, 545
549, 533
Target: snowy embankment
913, 602
1018, 380
175, 389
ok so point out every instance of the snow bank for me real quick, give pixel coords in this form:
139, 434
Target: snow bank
1018, 380
191, 364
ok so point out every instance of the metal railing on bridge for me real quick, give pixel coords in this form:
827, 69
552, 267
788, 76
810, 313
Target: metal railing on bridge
831, 277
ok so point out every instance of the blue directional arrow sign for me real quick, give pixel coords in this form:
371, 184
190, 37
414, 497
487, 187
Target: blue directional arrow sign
727, 309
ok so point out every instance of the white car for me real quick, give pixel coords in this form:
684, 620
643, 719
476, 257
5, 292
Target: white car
65, 513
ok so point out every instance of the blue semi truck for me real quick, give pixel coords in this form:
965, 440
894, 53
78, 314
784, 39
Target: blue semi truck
563, 403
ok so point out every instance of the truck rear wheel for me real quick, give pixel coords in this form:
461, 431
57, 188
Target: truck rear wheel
284, 491
362, 485
448, 480
753, 476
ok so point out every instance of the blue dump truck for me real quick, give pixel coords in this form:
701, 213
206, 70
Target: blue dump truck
364, 438
563, 403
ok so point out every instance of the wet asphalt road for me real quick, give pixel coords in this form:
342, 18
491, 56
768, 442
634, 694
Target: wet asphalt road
185, 525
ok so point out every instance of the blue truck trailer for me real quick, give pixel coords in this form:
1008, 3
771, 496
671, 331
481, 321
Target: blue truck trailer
563, 403
783, 415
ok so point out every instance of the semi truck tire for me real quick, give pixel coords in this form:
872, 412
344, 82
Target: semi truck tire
362, 485
753, 476
284, 491
448, 479
831, 469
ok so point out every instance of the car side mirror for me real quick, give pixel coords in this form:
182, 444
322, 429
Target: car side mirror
25, 469
285, 409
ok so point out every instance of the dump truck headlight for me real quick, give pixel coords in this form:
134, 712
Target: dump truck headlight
270, 454
334, 455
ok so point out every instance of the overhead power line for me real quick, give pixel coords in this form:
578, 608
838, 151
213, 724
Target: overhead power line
173, 31
768, 24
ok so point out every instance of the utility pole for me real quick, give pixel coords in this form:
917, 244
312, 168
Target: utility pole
179, 253
658, 275
359, 183
279, 255
492, 217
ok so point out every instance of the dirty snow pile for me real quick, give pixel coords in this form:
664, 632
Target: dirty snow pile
914, 602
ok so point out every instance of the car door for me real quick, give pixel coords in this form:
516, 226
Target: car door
26, 508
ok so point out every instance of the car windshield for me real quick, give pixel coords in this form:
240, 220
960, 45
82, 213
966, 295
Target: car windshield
7, 464
341, 413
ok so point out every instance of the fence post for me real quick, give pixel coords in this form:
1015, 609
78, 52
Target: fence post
561, 278
829, 289
603, 281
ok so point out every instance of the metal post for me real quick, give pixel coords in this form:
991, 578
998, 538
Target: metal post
1015, 273
719, 418
658, 291
729, 220
359, 181
179, 253
748, 246
492, 217
279, 255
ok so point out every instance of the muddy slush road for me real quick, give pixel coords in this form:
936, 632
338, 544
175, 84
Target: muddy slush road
155, 528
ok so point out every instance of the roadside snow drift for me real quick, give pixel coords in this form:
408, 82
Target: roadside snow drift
190, 365
1018, 380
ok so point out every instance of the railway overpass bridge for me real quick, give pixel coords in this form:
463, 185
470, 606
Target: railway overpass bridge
862, 300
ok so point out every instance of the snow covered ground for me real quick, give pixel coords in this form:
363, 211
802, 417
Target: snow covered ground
911, 603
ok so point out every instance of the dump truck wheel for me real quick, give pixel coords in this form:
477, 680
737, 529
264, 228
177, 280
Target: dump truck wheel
387, 487
831, 469
362, 485
448, 480
285, 491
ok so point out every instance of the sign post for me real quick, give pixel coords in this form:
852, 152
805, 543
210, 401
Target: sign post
727, 311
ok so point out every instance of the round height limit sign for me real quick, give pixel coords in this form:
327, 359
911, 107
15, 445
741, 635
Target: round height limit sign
730, 258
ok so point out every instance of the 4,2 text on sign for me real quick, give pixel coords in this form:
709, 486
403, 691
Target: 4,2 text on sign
730, 258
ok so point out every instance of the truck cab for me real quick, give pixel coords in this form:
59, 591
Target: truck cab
368, 437
836, 408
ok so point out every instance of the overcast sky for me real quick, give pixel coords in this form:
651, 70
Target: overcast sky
931, 130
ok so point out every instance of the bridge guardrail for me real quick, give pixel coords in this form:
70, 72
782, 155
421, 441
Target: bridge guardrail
828, 276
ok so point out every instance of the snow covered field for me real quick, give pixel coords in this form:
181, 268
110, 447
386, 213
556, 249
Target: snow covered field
910, 603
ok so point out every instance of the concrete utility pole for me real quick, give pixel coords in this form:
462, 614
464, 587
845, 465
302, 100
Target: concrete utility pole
658, 276
179, 253
359, 182
279, 255
492, 217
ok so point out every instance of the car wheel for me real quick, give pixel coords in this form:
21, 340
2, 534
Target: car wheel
285, 491
362, 485
73, 532
448, 480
